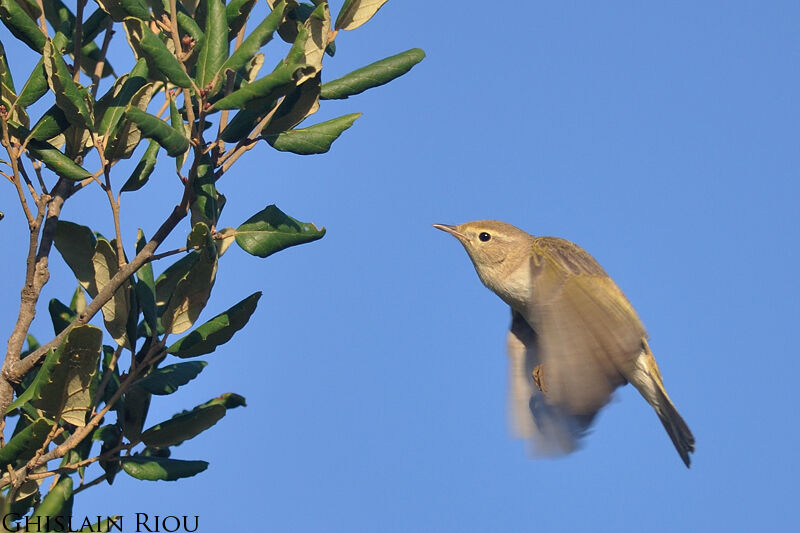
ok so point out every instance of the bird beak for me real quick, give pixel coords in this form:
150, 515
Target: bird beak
452, 230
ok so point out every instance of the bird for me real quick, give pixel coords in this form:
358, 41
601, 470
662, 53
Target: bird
574, 337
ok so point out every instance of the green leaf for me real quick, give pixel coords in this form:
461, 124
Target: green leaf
217, 331
354, 13
271, 230
62, 384
111, 107
268, 88
298, 104
25, 444
144, 169
316, 139
126, 136
193, 289
111, 436
154, 128
60, 16
120, 9
205, 206
115, 311
56, 161
68, 97
57, 503
145, 286
76, 245
243, 123
53, 123
61, 315
256, 39
93, 25
168, 280
35, 86
21, 25
373, 75
158, 56
229, 400
166, 380
214, 48
236, 13
182, 427
136, 404
160, 468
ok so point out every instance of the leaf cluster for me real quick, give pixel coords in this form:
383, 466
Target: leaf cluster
202, 63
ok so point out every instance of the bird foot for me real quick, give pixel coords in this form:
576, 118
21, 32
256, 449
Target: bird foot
538, 378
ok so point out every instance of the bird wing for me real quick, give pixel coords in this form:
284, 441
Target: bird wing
589, 335
531, 416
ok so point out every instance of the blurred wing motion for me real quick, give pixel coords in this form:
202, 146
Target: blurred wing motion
589, 335
588, 340
550, 431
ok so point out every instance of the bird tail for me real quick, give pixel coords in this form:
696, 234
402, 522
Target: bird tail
651, 386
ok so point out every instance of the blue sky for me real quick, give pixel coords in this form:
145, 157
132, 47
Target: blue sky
661, 138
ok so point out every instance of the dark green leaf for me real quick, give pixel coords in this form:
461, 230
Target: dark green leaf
316, 139
158, 57
56, 161
236, 13
268, 88
159, 468
61, 315
52, 124
166, 380
68, 97
126, 136
216, 331
146, 287
298, 104
214, 48
271, 230
76, 245
144, 169
154, 128
136, 404
243, 123
93, 25
111, 107
183, 426
21, 25
35, 86
256, 39
372, 75
229, 400
120, 9
58, 501
25, 444
205, 206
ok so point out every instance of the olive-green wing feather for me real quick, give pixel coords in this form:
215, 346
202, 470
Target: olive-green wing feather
589, 335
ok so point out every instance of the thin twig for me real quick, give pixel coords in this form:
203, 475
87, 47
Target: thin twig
98, 69
31, 189
245, 144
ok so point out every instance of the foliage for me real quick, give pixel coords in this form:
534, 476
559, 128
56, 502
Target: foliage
201, 63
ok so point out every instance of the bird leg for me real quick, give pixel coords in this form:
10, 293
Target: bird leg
538, 378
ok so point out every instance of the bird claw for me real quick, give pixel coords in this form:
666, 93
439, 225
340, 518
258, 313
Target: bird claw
538, 378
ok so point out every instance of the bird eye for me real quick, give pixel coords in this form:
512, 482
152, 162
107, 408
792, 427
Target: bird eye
484, 236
